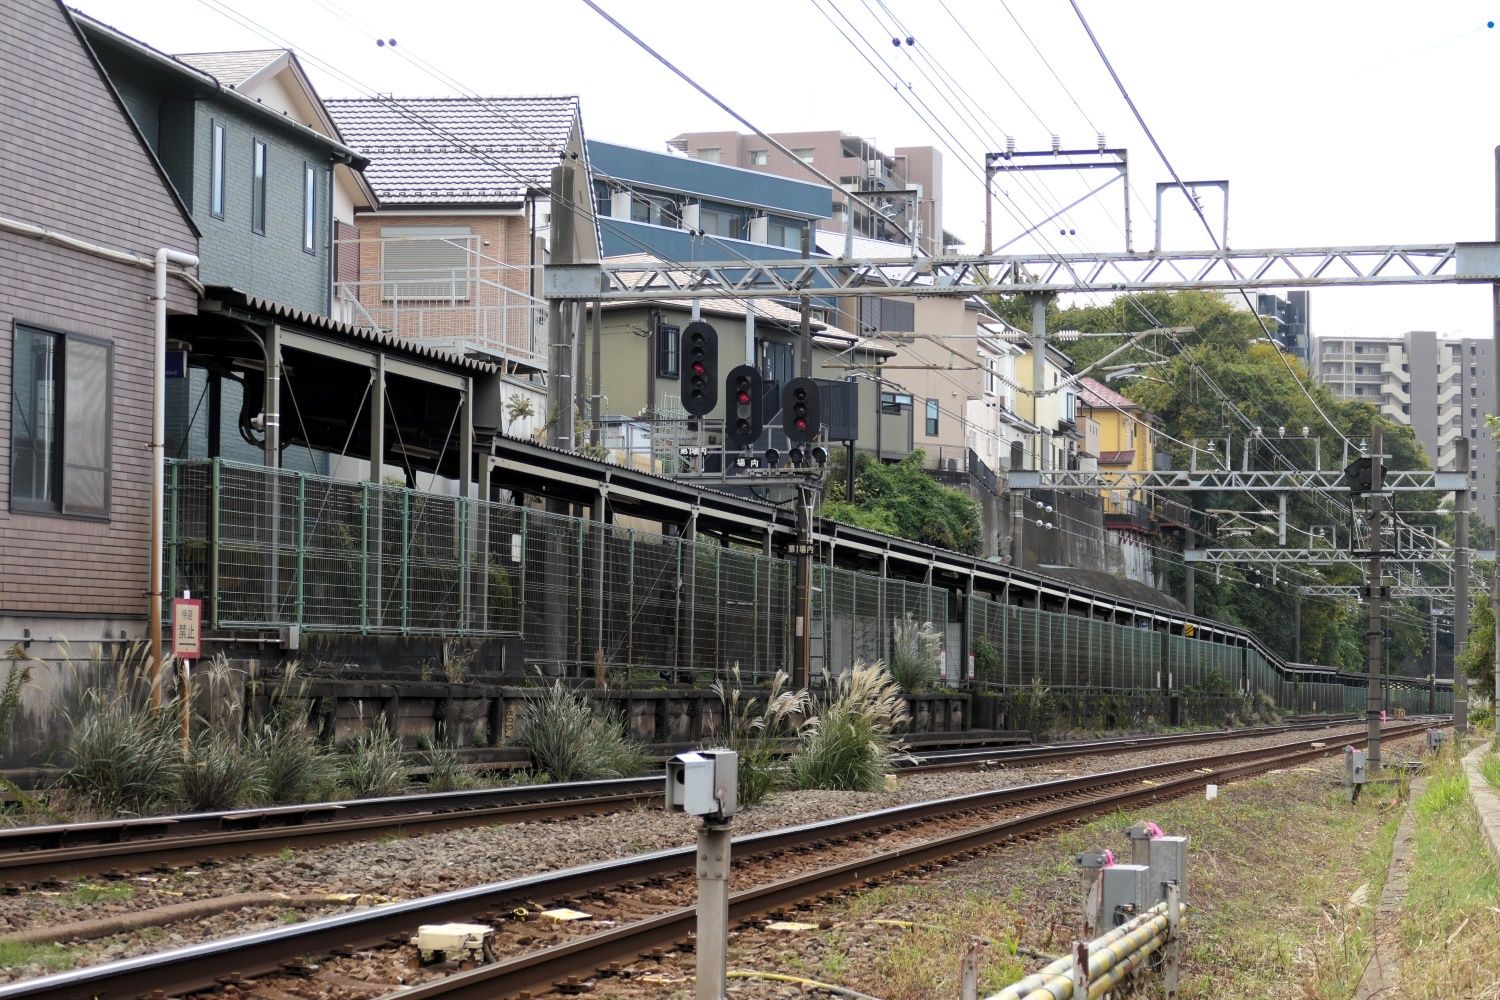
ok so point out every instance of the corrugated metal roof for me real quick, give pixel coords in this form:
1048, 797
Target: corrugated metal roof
233, 296
457, 150
232, 68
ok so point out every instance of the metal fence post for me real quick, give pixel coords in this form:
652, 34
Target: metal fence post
521, 585
364, 557
405, 563
301, 546
213, 544
630, 607
171, 548
463, 565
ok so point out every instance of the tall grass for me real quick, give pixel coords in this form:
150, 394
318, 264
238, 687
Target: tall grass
446, 770
119, 757
217, 773
758, 732
371, 765
295, 766
916, 655
572, 740
851, 745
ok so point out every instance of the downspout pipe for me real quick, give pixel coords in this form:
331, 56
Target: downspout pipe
162, 266
164, 257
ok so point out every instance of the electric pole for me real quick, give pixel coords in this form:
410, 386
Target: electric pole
1461, 592
1375, 636
1495, 333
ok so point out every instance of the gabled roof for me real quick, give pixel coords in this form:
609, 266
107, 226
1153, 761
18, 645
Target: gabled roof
1101, 397
234, 69
488, 151
204, 81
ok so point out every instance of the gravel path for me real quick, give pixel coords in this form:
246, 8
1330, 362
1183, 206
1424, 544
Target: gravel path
402, 868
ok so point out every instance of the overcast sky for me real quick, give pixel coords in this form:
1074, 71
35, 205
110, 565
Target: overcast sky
1336, 121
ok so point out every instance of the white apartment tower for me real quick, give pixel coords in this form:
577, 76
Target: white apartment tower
1442, 388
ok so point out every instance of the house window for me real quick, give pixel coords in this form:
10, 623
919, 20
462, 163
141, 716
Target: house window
781, 234
216, 173
59, 424
258, 189
805, 154
426, 263
718, 223
932, 418
710, 153
895, 402
309, 208
760, 157
668, 351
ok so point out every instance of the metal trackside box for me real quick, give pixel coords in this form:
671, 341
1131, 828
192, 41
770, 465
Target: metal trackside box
1354, 766
704, 783
1124, 891
1168, 864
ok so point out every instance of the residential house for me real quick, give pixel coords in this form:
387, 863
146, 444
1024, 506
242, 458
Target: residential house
252, 152
640, 349
84, 207
684, 209
1053, 411
450, 258
905, 185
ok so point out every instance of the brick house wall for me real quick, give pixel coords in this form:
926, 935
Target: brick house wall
79, 168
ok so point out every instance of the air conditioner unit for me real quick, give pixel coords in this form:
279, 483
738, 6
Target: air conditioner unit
759, 229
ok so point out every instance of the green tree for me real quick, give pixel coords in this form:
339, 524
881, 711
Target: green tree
1182, 380
903, 500
1478, 659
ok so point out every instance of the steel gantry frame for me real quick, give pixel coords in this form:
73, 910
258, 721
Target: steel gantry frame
1321, 557
1264, 481
1032, 274
1436, 593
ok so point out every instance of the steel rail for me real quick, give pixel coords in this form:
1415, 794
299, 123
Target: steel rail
202, 966
40, 854
543, 969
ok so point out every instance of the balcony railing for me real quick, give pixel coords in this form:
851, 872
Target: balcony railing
469, 303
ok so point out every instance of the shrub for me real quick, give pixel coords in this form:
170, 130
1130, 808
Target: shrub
371, 765
119, 757
851, 744
446, 770
987, 666
571, 739
916, 655
1037, 709
294, 766
220, 772
1482, 719
756, 733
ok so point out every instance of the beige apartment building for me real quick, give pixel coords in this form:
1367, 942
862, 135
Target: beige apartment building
1440, 387
905, 185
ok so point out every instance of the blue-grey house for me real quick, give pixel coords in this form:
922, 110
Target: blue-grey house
659, 203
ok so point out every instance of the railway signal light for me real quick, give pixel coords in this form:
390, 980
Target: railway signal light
744, 421
700, 365
799, 411
1364, 475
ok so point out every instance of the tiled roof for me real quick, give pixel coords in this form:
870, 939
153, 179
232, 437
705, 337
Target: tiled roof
457, 150
1102, 397
232, 68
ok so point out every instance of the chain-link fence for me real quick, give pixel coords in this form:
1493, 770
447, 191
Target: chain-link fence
1014, 647
270, 548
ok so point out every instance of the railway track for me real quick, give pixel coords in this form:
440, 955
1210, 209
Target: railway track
42, 855
650, 896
